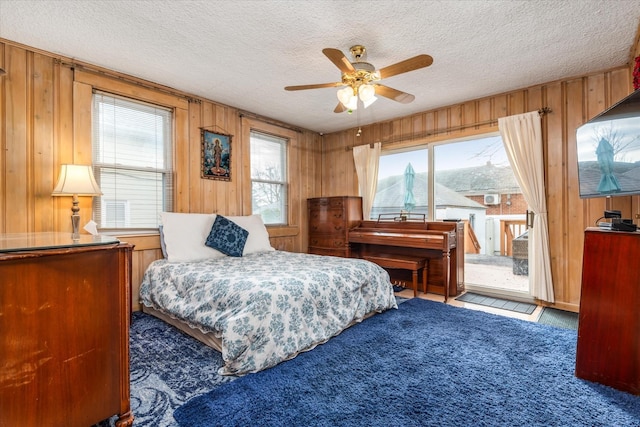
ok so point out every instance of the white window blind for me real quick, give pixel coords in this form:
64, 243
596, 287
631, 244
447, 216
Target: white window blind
132, 162
269, 177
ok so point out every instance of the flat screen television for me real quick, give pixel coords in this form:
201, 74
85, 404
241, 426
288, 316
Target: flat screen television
608, 151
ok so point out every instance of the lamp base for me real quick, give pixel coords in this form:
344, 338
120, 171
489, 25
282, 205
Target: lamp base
75, 226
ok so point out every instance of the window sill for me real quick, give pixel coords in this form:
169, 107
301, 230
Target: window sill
141, 240
283, 230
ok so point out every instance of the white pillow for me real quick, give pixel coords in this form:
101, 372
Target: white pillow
185, 235
258, 240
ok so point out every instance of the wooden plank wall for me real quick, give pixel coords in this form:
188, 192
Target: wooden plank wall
45, 120
572, 102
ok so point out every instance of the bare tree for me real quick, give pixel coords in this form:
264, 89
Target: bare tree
488, 152
267, 188
619, 142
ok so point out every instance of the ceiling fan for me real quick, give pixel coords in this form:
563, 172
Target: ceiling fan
360, 79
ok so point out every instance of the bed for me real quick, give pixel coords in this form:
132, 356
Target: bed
260, 306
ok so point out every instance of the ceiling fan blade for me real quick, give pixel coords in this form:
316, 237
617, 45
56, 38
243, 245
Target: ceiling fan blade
316, 86
394, 94
407, 65
340, 108
339, 60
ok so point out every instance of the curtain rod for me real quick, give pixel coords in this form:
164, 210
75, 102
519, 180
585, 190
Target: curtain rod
542, 112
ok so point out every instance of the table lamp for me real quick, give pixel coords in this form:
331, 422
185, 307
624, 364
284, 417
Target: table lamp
76, 180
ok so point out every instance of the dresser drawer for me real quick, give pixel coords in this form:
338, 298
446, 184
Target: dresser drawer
327, 222
329, 203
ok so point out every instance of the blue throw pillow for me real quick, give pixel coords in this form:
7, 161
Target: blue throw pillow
227, 237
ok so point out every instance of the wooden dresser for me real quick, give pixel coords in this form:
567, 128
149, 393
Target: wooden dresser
330, 219
608, 349
64, 330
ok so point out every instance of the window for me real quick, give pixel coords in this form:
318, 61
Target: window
132, 162
269, 177
465, 173
392, 192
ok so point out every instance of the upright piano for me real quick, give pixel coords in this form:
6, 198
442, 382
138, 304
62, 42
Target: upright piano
440, 242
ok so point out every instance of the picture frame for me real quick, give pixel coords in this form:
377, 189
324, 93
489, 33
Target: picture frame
216, 155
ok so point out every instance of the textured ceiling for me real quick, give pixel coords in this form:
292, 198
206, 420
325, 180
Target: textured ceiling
243, 53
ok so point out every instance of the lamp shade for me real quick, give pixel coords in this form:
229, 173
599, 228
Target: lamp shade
78, 180
366, 92
345, 95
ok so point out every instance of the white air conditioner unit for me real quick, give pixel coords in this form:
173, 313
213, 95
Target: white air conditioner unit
491, 199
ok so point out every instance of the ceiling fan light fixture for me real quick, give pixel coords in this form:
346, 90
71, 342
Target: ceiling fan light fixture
359, 79
347, 98
367, 94
353, 103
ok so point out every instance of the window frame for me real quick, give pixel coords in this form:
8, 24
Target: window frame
248, 124
167, 171
84, 83
284, 143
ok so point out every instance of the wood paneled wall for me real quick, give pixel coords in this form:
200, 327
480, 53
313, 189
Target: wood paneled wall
45, 121
572, 103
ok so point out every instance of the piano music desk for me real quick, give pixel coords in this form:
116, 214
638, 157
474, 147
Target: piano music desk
405, 262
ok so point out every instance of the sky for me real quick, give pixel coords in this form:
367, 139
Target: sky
625, 132
475, 152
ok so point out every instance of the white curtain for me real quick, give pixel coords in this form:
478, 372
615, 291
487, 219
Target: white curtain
522, 137
366, 159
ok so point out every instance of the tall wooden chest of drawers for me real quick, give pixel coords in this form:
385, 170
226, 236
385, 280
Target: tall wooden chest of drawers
64, 330
330, 219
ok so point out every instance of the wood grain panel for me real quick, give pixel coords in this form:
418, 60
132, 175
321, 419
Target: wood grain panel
557, 194
18, 119
181, 155
63, 137
41, 181
576, 210
200, 115
3, 141
140, 260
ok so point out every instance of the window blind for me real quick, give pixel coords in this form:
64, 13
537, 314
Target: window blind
132, 162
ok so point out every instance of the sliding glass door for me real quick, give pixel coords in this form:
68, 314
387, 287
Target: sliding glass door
471, 181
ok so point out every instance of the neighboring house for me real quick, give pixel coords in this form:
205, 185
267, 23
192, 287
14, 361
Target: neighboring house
627, 175
481, 195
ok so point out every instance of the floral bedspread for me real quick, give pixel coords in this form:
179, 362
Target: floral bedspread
267, 307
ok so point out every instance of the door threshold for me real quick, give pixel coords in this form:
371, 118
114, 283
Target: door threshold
500, 293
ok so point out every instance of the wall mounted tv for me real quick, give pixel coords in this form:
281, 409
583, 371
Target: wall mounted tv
608, 150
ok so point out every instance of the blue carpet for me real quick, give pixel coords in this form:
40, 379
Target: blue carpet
425, 364
168, 368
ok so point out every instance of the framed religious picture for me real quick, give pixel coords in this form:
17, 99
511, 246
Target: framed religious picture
216, 155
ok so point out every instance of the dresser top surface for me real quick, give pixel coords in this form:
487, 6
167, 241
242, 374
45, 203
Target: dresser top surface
15, 242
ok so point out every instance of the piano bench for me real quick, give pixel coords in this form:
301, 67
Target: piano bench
404, 262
